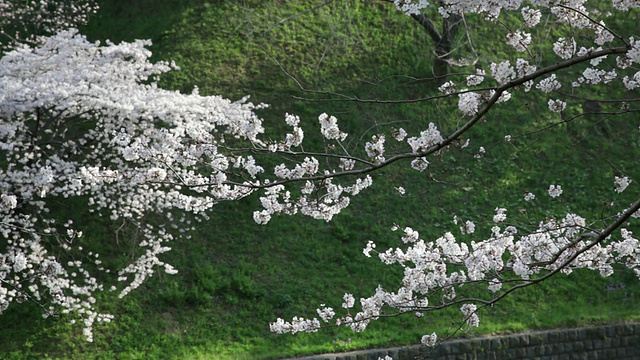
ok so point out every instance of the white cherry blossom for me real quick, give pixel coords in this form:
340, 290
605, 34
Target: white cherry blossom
153, 151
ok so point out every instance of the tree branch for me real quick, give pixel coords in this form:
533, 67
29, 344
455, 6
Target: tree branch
428, 26
455, 135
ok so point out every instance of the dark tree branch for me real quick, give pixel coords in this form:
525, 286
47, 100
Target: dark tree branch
429, 27
451, 138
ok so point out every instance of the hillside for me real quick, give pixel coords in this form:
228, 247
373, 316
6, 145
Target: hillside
236, 276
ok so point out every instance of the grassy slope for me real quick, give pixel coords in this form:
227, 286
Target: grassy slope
236, 276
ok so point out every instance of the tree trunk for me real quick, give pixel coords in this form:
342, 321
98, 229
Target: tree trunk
443, 42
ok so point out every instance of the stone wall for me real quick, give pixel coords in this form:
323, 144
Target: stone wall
605, 342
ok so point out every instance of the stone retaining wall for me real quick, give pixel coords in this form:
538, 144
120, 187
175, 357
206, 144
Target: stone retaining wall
606, 342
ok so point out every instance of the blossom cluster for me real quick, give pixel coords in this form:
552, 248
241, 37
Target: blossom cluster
20, 21
573, 12
435, 271
88, 120
147, 150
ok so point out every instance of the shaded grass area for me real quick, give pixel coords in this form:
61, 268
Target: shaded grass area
235, 276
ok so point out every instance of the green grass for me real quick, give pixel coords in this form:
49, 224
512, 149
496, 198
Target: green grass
235, 276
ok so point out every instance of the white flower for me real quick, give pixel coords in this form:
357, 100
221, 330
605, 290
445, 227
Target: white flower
531, 17
420, 164
549, 84
329, 128
400, 134
529, 196
495, 285
621, 183
519, 40
469, 227
19, 262
502, 72
473, 80
556, 105
349, 301
9, 201
555, 190
481, 151
633, 55
325, 313
295, 138
448, 87
430, 340
410, 7
292, 120
347, 164
375, 148
427, 139
261, 217
596, 76
156, 174
500, 216
468, 103
565, 48
469, 311
632, 82
410, 235
367, 250
504, 97
603, 35
296, 325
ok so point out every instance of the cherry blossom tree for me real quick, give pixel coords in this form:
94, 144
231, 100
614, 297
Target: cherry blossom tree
88, 121
21, 20
439, 272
